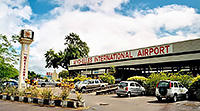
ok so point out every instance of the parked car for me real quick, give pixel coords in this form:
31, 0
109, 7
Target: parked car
129, 88
194, 91
87, 84
10, 84
48, 82
118, 80
170, 90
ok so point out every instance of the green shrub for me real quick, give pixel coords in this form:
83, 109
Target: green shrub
140, 79
81, 78
185, 79
65, 93
195, 79
107, 78
154, 78
46, 93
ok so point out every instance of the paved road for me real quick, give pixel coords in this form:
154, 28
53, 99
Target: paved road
110, 103
137, 103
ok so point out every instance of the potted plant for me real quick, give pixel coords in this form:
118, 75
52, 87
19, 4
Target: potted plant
64, 95
57, 100
80, 101
21, 95
14, 92
47, 95
27, 94
34, 94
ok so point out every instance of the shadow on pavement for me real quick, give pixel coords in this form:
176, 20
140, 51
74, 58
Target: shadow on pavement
115, 96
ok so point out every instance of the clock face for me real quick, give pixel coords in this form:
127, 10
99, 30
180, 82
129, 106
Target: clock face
28, 33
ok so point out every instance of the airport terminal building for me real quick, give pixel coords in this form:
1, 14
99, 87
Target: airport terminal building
172, 57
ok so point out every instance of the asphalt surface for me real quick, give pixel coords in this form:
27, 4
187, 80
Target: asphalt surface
137, 103
110, 103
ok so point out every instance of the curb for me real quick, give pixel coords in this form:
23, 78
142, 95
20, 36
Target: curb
40, 101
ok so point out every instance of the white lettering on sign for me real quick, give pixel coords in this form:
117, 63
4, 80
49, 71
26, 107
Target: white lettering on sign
24, 66
159, 50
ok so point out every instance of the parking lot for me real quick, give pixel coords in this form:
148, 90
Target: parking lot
111, 103
137, 103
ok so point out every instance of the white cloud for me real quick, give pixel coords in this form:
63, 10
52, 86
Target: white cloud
12, 15
104, 30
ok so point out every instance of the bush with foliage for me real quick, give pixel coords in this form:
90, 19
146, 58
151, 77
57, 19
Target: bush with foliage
34, 91
65, 93
107, 78
81, 78
185, 79
140, 79
154, 78
47, 93
79, 96
195, 79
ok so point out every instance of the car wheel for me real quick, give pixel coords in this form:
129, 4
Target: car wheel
129, 94
119, 95
175, 98
187, 96
83, 90
42, 85
143, 93
159, 98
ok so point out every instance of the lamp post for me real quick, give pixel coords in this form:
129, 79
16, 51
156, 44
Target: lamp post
26, 38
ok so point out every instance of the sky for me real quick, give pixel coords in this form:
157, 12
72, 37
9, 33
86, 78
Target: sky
105, 25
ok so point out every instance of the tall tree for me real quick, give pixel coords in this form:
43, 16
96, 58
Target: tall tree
76, 48
8, 57
53, 59
32, 74
63, 74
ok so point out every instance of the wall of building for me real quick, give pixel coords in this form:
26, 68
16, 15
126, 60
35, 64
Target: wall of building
182, 51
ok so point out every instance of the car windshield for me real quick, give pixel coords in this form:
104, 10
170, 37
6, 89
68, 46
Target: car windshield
163, 84
85, 82
123, 84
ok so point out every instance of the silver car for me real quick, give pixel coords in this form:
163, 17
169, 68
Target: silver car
129, 88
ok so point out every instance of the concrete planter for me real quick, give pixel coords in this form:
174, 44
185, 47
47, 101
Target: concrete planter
35, 100
81, 104
7, 97
4, 97
40, 101
25, 99
28, 99
57, 102
46, 101
64, 103
12, 98
21, 99
70, 104
16, 98
1, 96
61, 103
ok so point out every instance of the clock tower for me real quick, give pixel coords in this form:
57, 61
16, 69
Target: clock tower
26, 38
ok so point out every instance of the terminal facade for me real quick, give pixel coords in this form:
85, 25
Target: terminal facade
172, 58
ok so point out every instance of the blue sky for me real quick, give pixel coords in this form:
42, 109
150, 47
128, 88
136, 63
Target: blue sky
42, 7
105, 25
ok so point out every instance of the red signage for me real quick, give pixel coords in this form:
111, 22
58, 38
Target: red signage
49, 73
159, 50
24, 68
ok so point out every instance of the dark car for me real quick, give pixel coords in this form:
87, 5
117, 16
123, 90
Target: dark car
10, 84
194, 91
